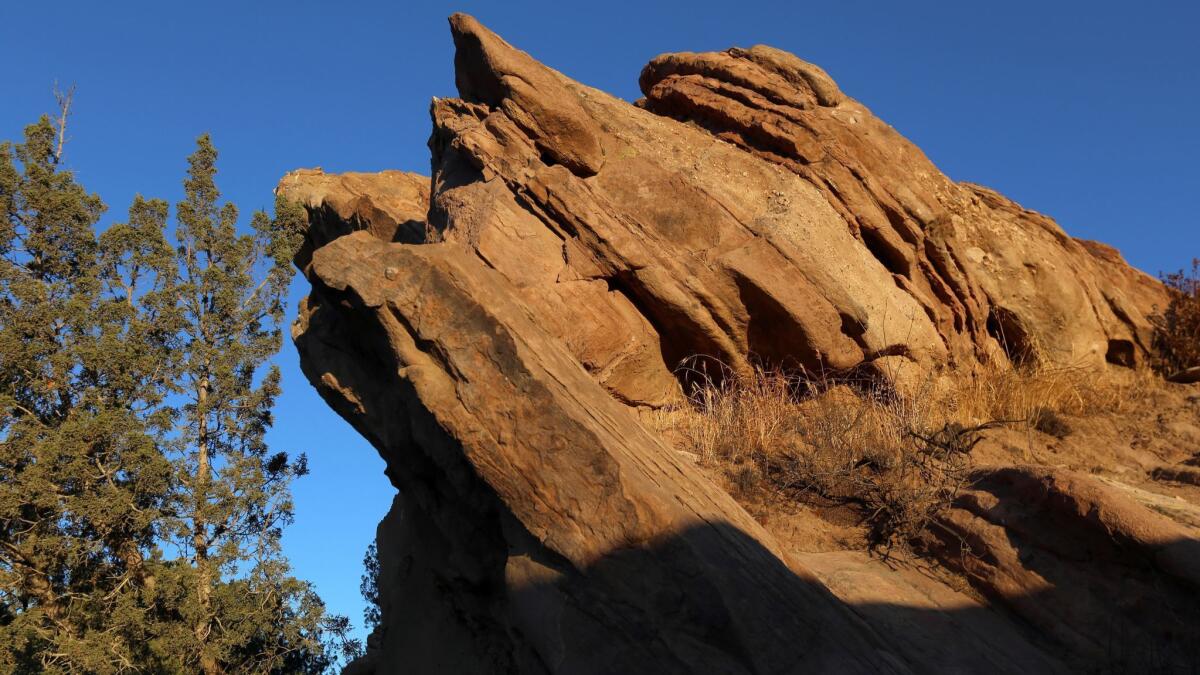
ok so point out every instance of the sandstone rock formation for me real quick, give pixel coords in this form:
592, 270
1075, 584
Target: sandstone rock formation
1112, 581
517, 471
983, 269
492, 329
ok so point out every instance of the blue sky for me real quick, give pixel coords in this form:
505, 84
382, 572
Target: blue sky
1086, 111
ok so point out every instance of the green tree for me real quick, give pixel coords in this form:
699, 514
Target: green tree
140, 507
235, 496
368, 586
82, 482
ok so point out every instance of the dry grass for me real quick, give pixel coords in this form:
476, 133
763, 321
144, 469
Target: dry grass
900, 461
1020, 395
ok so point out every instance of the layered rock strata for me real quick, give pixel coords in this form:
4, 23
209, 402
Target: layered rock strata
492, 329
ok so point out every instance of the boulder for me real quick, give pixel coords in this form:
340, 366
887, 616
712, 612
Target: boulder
1114, 584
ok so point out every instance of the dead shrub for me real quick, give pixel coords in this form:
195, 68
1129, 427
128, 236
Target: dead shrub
889, 458
790, 436
1177, 328
898, 461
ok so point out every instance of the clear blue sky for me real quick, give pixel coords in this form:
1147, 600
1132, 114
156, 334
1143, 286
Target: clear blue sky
1087, 111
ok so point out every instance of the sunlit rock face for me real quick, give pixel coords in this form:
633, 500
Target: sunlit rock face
494, 329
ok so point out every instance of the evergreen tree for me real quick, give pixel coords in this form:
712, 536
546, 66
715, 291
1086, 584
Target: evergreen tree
235, 495
82, 482
368, 586
140, 508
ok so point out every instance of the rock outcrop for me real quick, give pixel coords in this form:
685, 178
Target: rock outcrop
1111, 581
986, 271
521, 473
492, 329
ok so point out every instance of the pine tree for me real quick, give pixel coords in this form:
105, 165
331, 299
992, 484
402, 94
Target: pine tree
245, 611
82, 482
140, 507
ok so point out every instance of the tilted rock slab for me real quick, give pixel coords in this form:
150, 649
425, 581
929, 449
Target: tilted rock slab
489, 329
846, 251
1114, 584
553, 532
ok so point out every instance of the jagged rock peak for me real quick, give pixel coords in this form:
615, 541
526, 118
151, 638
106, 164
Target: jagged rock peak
489, 70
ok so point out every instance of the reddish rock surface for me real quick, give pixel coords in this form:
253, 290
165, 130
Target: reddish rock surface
491, 329
984, 269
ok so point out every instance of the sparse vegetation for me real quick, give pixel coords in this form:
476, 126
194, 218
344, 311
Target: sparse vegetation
899, 461
1177, 328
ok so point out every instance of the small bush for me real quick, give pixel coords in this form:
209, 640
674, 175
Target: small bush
900, 472
1177, 329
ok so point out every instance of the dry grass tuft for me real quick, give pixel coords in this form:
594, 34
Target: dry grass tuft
1025, 395
899, 461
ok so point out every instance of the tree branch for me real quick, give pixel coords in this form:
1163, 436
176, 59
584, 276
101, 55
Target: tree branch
63, 99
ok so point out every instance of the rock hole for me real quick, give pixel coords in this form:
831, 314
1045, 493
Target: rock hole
1007, 329
1121, 353
854, 328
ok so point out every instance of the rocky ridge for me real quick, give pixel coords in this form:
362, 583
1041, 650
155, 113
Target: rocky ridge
493, 329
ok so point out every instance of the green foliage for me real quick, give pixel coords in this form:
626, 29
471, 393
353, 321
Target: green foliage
140, 507
1177, 329
82, 484
369, 588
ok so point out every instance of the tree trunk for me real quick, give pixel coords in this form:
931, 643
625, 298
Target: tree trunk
203, 628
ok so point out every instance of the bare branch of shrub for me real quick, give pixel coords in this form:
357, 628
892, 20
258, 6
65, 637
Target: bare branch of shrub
1177, 328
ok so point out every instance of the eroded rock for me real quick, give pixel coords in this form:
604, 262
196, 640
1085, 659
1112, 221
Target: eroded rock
491, 330
543, 528
987, 272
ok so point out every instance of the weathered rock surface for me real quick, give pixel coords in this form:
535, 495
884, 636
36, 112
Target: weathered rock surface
930, 625
1115, 583
983, 268
562, 535
491, 329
